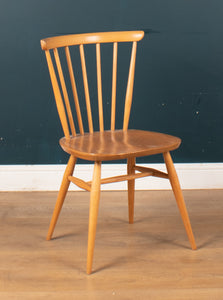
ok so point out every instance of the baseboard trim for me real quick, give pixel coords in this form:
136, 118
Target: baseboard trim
48, 177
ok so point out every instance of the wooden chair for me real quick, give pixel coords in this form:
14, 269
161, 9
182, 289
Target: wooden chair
104, 145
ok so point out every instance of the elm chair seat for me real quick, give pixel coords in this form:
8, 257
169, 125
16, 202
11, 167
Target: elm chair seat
118, 144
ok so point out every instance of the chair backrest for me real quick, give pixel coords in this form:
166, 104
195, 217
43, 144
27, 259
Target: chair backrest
58, 78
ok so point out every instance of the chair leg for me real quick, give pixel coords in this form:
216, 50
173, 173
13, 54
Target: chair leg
179, 197
131, 189
93, 214
61, 195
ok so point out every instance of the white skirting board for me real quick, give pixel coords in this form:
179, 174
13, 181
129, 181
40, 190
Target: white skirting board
48, 177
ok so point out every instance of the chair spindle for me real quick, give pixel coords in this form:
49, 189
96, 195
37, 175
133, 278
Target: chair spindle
114, 84
99, 84
57, 95
64, 89
74, 89
129, 90
86, 89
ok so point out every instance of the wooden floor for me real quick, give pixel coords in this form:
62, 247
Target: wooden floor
150, 259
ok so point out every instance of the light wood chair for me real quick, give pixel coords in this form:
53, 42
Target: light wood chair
104, 145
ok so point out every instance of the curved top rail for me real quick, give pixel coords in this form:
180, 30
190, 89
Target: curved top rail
91, 38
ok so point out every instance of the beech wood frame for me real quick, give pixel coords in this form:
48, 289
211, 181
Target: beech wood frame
66, 118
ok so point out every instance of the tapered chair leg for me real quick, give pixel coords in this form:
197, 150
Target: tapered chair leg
131, 189
179, 197
61, 195
93, 213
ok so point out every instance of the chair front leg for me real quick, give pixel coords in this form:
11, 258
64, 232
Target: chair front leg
93, 213
131, 189
61, 195
179, 197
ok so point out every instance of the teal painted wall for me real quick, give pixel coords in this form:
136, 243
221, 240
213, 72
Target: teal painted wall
179, 74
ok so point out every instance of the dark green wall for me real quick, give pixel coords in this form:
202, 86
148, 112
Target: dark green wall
179, 74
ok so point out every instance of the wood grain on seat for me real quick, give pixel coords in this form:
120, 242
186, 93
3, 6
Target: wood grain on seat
119, 144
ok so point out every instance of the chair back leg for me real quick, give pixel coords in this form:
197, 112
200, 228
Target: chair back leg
131, 189
179, 197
